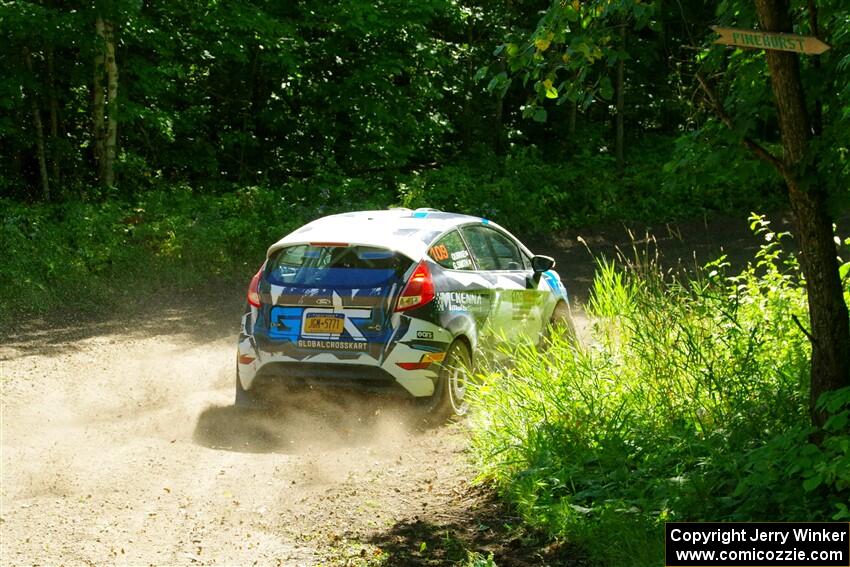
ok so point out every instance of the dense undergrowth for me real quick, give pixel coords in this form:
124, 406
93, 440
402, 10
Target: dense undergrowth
84, 254
81, 256
689, 401
535, 196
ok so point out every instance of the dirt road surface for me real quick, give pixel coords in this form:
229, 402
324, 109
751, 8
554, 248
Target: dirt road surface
120, 445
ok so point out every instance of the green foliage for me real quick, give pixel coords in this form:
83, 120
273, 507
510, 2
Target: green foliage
475, 559
83, 255
792, 477
534, 196
689, 402
261, 93
569, 54
705, 171
258, 93
740, 74
243, 91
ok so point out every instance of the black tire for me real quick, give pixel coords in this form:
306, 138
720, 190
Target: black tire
244, 399
560, 324
448, 401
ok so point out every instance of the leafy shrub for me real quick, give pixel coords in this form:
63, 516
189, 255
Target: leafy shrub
689, 402
84, 255
534, 196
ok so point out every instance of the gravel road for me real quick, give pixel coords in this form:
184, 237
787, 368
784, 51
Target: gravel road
120, 445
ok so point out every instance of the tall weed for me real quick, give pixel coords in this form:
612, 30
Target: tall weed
688, 401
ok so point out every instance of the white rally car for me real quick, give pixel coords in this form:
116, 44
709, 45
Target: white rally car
391, 301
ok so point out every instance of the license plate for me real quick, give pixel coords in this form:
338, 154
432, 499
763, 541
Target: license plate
331, 324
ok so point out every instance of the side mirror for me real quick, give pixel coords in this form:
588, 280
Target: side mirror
542, 263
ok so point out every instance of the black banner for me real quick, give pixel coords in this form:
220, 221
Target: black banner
757, 544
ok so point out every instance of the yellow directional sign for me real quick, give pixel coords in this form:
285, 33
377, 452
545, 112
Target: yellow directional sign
766, 40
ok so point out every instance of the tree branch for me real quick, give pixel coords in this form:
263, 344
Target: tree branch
803, 329
758, 150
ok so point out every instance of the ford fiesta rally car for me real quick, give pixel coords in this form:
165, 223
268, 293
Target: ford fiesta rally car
394, 300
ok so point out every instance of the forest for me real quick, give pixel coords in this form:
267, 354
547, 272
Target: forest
134, 127
148, 146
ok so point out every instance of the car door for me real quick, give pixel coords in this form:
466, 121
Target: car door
517, 300
464, 296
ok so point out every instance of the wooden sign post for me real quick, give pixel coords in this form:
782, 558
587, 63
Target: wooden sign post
765, 40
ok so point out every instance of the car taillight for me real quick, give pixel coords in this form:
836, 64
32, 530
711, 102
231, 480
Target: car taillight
419, 289
254, 288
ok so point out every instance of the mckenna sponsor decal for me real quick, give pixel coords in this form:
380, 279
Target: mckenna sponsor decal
458, 301
332, 345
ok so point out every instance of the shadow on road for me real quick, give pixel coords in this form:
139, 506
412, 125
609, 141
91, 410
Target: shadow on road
306, 421
480, 525
201, 316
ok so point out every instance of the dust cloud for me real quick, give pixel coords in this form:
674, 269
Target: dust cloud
125, 448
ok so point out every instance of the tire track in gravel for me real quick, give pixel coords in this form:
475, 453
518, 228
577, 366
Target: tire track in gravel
123, 447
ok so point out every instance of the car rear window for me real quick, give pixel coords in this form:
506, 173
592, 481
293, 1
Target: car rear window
306, 265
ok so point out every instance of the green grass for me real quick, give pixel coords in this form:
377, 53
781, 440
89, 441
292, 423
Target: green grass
82, 256
687, 402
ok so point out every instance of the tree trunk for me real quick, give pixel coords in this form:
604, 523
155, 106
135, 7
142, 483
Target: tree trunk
830, 329
99, 104
111, 144
39, 133
54, 116
248, 112
571, 121
498, 133
817, 114
621, 86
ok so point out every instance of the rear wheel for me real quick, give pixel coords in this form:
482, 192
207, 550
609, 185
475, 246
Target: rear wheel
561, 325
244, 398
449, 398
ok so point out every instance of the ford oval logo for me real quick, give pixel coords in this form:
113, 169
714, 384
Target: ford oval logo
323, 301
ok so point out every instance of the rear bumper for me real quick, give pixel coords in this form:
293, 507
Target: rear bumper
390, 379
259, 368
357, 377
